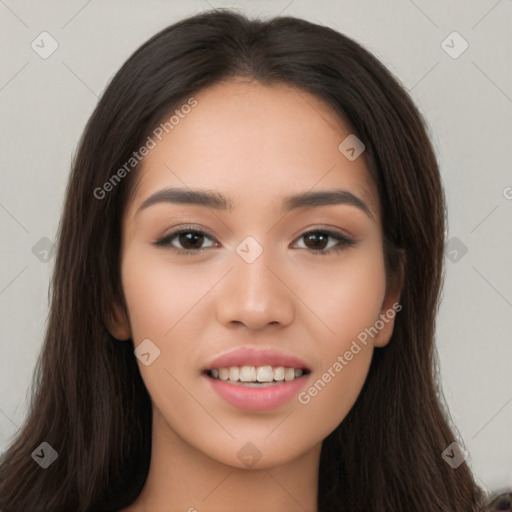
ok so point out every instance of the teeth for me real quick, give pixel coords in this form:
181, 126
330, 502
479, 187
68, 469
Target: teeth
256, 374
264, 374
234, 373
289, 374
279, 374
247, 374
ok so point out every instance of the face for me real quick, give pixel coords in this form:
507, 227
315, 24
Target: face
270, 285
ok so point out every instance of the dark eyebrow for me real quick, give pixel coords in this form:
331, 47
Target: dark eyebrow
206, 198
326, 198
217, 201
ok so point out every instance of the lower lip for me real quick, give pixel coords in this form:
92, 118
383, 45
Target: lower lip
257, 399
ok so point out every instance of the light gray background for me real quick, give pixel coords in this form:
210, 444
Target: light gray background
467, 101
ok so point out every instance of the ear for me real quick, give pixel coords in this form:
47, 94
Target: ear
118, 324
386, 322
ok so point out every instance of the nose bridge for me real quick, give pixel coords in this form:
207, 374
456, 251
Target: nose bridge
254, 276
255, 282
254, 295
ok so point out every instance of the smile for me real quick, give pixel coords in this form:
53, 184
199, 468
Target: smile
256, 375
256, 378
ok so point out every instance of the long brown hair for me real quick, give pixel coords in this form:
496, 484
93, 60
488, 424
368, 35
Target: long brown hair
89, 401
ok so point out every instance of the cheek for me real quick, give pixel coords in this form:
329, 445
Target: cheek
329, 397
348, 303
347, 298
158, 295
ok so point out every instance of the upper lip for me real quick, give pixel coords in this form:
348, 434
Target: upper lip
256, 357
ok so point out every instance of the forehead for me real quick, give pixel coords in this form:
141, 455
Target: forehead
255, 143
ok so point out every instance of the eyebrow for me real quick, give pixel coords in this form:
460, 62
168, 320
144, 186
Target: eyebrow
217, 201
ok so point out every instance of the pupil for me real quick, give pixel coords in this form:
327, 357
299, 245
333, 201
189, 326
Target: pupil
190, 240
319, 239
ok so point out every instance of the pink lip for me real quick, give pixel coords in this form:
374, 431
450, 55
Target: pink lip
257, 357
257, 399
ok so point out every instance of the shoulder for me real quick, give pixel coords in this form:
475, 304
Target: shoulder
499, 502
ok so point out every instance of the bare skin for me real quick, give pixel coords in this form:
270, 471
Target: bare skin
254, 144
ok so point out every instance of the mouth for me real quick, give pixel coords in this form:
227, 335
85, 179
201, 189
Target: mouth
256, 376
256, 379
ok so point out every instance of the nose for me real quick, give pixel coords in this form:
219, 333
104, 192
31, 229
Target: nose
255, 294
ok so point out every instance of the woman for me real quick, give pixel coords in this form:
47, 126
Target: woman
243, 306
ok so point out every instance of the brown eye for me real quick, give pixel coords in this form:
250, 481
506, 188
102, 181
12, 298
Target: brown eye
320, 241
316, 240
191, 240
186, 240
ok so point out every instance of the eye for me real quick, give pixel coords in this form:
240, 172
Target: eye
318, 241
185, 240
190, 241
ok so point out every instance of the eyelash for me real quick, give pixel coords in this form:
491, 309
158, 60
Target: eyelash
166, 241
